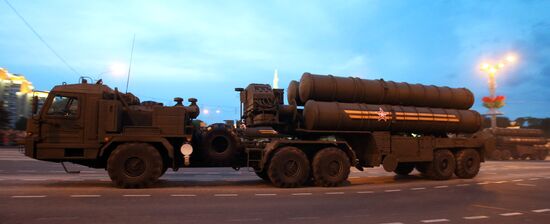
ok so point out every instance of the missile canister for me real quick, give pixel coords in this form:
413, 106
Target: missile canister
520, 140
369, 117
356, 90
517, 132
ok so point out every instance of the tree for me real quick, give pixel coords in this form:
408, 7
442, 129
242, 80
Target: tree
4, 116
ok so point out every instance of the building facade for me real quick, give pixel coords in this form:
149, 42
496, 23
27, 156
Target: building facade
16, 92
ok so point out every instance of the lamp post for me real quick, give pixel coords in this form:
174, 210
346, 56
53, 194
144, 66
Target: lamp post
491, 70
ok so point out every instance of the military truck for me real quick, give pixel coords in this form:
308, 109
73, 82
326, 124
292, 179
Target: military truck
96, 126
333, 123
517, 143
329, 125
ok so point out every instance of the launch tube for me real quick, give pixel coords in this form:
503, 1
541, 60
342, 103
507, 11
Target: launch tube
356, 90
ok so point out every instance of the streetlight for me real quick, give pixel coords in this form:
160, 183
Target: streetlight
494, 102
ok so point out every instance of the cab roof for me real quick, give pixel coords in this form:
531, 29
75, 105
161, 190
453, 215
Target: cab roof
83, 88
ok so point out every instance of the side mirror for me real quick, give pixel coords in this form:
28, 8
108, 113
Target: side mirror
34, 105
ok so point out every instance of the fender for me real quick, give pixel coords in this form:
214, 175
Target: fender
144, 139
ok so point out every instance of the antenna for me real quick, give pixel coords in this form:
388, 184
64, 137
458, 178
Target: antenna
130, 65
276, 79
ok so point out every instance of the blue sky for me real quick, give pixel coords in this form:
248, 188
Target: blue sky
205, 49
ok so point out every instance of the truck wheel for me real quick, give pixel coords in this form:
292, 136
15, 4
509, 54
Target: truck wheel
220, 146
506, 154
543, 154
467, 163
404, 169
134, 165
331, 167
289, 167
442, 166
496, 155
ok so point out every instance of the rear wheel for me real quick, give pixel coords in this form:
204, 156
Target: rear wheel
289, 167
506, 154
468, 162
134, 165
543, 154
442, 166
496, 155
331, 167
404, 169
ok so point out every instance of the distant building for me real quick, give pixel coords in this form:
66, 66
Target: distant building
17, 92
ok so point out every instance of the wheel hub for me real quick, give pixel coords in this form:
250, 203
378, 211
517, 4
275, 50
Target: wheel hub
334, 168
291, 168
134, 167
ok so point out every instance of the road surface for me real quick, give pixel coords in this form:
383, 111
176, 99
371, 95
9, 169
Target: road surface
33, 191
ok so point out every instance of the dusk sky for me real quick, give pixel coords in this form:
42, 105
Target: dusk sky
204, 49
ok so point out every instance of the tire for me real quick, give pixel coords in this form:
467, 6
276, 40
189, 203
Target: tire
134, 165
404, 169
543, 154
289, 167
442, 166
506, 154
220, 146
496, 155
468, 162
331, 167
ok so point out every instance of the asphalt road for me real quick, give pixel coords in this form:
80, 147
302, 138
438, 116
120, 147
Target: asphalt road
40, 192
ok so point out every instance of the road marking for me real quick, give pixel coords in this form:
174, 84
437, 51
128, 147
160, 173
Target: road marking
541, 210
442, 186
183, 195
303, 218
434, 220
85, 196
534, 178
33, 179
28, 196
527, 185
265, 194
339, 192
245, 220
392, 223
500, 182
212, 173
462, 185
301, 194
226, 195
476, 217
511, 214
365, 192
136, 195
393, 190
517, 180
483, 183
418, 188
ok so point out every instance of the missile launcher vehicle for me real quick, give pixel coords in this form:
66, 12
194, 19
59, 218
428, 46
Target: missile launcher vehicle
329, 125
517, 143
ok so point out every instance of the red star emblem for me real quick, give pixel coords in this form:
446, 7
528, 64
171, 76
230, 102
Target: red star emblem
382, 115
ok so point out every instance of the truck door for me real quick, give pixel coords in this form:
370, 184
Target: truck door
62, 122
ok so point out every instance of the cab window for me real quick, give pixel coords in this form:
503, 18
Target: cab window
64, 106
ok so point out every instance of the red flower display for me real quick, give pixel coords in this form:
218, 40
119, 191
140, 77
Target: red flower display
496, 102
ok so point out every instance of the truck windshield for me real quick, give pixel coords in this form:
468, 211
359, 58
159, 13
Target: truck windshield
64, 106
